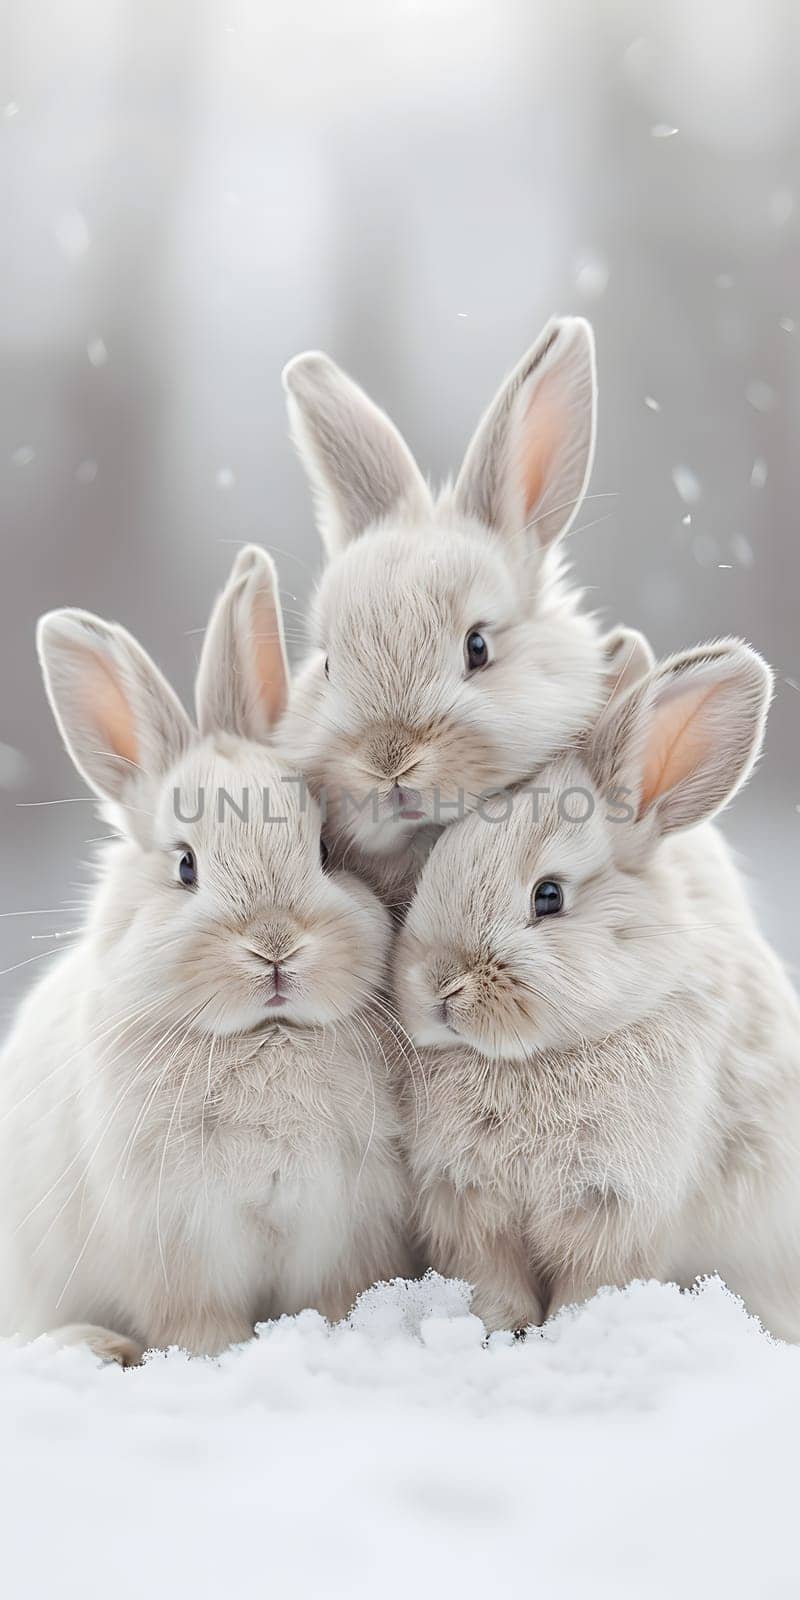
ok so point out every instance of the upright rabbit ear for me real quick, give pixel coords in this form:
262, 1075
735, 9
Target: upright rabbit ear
361, 470
628, 658
529, 461
686, 737
243, 678
118, 717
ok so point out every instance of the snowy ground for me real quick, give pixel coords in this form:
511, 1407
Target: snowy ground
645, 1445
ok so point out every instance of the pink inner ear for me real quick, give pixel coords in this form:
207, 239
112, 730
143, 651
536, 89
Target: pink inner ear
111, 713
542, 434
268, 661
678, 742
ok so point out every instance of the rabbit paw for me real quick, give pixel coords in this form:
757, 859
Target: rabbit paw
101, 1341
498, 1310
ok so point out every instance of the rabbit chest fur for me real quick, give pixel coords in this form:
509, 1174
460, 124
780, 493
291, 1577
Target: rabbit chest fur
179, 1190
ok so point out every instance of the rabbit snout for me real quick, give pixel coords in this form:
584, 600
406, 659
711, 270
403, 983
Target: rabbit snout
392, 751
275, 942
278, 976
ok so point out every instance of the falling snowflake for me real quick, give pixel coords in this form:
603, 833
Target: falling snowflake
760, 395
86, 471
637, 57
225, 478
687, 520
14, 767
23, 455
788, 324
758, 476
96, 351
652, 405
742, 551
724, 280
591, 275
780, 206
10, 110
662, 130
687, 484
705, 550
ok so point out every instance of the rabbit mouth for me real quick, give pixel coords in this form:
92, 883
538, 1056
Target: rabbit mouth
405, 803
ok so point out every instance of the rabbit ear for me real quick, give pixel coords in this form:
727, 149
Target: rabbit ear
628, 658
529, 461
686, 737
361, 470
117, 715
243, 678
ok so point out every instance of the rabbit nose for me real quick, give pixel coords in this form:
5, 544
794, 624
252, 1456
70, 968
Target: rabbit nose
390, 751
275, 953
275, 938
444, 999
277, 991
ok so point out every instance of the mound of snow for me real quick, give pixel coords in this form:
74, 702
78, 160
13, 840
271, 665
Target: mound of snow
642, 1445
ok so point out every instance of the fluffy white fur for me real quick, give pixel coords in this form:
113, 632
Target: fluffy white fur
385, 717
192, 1139
612, 1092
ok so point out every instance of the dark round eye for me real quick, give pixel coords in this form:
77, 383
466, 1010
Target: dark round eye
548, 898
323, 852
187, 869
476, 651
327, 667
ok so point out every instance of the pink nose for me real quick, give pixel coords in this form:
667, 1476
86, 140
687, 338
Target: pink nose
279, 993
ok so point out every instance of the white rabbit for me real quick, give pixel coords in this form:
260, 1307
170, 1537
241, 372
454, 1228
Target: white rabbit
450, 657
196, 1129
610, 1050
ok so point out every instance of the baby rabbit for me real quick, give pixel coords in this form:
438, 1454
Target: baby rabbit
196, 1130
611, 1052
451, 658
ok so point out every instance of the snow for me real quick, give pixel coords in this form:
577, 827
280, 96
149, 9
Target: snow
591, 275
96, 351
687, 484
780, 206
705, 550
644, 1444
14, 767
760, 395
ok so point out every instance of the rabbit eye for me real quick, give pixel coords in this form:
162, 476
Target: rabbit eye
327, 668
476, 651
548, 898
323, 852
187, 869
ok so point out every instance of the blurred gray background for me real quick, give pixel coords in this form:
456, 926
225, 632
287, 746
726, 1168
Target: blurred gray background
193, 191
